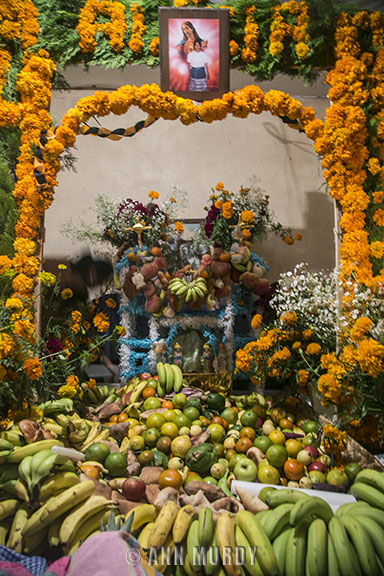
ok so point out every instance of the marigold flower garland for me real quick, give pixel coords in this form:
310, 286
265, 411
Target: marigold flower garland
115, 30
251, 33
280, 30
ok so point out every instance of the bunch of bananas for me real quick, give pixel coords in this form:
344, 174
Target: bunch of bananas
188, 290
170, 378
6, 448
69, 513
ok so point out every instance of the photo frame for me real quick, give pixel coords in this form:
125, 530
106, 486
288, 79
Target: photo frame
194, 52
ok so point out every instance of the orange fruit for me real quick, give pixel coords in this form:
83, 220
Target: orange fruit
167, 404
170, 478
293, 469
277, 437
148, 392
123, 417
243, 445
90, 471
217, 420
285, 423
114, 418
248, 432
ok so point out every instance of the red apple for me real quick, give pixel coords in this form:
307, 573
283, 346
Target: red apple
145, 376
312, 450
133, 488
316, 465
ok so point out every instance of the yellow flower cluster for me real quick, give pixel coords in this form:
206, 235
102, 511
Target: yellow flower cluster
32, 368
101, 322
115, 30
136, 43
281, 30
251, 34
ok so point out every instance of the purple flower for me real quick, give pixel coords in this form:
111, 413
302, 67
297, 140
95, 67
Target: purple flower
212, 216
53, 346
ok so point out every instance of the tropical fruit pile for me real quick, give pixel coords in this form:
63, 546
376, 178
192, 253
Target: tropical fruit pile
161, 456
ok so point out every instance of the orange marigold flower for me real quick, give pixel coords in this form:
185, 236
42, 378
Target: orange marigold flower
227, 210
32, 368
289, 318
219, 186
233, 48
313, 349
298, 237
247, 216
73, 381
302, 377
373, 166
66, 294
154, 195
256, 321
111, 303
101, 322
6, 345
91, 383
288, 240
378, 197
5, 264
378, 217
179, 227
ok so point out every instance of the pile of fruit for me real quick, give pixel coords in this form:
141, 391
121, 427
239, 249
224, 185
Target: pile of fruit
162, 456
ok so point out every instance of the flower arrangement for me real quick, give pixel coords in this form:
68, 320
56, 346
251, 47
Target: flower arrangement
126, 221
313, 340
243, 216
39, 367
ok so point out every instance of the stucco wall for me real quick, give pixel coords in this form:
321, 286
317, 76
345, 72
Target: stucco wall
233, 151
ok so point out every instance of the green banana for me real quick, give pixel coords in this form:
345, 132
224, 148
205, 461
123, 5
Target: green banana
223, 484
372, 477
177, 378
205, 526
362, 544
373, 513
332, 562
168, 378
251, 563
296, 551
284, 496
5, 525
351, 508
5, 445
279, 546
161, 373
376, 534
343, 548
256, 535
368, 493
25, 470
307, 507
276, 520
19, 453
13, 437
316, 558
193, 543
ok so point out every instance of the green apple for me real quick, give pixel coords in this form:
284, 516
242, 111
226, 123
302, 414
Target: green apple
235, 459
245, 470
337, 477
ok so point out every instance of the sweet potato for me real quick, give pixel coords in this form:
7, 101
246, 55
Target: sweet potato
228, 504
250, 501
150, 474
210, 491
166, 494
153, 304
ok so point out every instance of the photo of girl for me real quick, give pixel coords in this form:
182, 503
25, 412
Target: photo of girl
198, 68
194, 54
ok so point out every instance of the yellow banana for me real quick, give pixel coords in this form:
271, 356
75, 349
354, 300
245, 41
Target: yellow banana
93, 432
86, 528
21, 490
143, 537
55, 484
58, 505
256, 535
15, 539
251, 564
21, 452
54, 531
78, 515
225, 536
183, 520
5, 526
142, 514
8, 507
163, 524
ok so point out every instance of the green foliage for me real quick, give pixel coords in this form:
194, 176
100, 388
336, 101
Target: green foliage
58, 23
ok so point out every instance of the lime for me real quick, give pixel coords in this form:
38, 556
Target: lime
181, 420
169, 415
276, 455
352, 469
268, 475
179, 400
191, 412
230, 415
263, 443
249, 418
155, 420
215, 402
151, 403
151, 436
116, 463
310, 426
97, 452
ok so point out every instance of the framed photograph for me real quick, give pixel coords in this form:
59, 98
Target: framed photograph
194, 52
